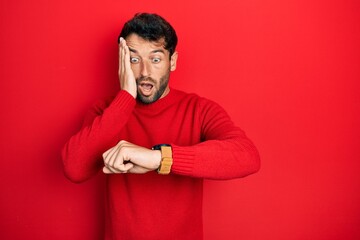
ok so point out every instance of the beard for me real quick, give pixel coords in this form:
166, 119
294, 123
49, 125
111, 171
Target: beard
159, 87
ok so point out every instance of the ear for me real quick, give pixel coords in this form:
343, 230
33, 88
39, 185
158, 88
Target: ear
173, 61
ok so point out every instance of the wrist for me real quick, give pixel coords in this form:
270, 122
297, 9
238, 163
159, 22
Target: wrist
157, 159
166, 158
132, 93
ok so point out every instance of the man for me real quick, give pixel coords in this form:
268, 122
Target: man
156, 144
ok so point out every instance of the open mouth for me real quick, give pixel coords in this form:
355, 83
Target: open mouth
146, 88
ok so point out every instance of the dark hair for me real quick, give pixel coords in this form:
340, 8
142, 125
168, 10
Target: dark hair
151, 27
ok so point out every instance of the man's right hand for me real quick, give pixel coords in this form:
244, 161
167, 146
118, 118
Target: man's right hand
127, 157
126, 75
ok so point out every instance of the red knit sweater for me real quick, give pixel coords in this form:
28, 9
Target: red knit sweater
205, 144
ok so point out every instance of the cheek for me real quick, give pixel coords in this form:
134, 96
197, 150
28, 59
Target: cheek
136, 70
160, 69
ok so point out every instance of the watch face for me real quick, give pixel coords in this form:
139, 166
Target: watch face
158, 147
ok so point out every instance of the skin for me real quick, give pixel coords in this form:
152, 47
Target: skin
144, 69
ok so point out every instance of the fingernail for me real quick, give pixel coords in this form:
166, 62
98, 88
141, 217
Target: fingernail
121, 39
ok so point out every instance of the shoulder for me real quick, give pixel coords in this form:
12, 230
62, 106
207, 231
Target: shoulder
97, 109
202, 106
122, 100
192, 97
100, 105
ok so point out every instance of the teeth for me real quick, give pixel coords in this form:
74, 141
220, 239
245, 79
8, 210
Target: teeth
146, 86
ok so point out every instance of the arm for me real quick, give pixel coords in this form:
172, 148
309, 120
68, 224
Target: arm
82, 154
126, 157
224, 153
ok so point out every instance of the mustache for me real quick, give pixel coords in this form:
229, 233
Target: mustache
147, 79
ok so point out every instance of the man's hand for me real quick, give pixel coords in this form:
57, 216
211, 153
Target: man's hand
126, 75
126, 157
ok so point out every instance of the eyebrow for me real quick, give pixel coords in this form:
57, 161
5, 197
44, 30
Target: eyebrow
154, 51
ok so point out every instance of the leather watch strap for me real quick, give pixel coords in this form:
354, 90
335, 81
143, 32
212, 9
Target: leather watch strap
166, 158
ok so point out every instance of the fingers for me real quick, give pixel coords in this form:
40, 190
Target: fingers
126, 157
127, 65
122, 59
109, 157
115, 160
126, 74
110, 170
122, 44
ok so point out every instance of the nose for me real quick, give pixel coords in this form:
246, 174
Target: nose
145, 69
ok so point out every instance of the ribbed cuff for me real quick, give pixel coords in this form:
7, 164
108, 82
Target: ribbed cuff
124, 101
183, 160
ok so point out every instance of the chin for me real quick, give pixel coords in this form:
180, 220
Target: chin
146, 100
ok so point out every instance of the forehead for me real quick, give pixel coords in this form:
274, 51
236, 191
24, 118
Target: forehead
143, 46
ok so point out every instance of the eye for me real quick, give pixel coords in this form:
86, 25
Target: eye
156, 60
134, 59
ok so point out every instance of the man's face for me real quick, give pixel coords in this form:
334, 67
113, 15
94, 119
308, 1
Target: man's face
151, 65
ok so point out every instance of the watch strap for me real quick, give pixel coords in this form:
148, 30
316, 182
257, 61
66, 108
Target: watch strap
166, 158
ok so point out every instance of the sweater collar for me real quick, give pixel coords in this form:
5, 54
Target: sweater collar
169, 99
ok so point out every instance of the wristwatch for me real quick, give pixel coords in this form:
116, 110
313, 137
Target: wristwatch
166, 158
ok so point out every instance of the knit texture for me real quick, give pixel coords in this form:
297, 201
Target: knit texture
205, 144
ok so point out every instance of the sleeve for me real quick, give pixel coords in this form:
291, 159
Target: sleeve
224, 153
82, 154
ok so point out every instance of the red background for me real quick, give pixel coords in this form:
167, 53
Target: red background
286, 71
